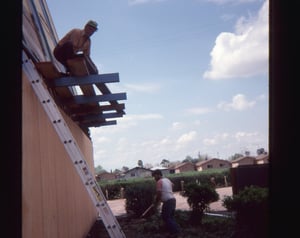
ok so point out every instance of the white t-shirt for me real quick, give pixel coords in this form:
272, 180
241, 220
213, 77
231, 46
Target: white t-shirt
166, 187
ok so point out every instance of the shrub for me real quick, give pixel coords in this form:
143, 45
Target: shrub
199, 197
139, 196
251, 208
111, 191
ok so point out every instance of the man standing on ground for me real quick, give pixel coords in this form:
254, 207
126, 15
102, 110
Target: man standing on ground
164, 194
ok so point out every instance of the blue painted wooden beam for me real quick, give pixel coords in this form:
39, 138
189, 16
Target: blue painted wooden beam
82, 99
95, 124
117, 107
102, 108
95, 117
84, 80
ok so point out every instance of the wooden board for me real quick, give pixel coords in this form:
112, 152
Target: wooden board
82, 113
50, 73
78, 68
48, 70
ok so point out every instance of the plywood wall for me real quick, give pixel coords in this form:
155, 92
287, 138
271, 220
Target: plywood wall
55, 203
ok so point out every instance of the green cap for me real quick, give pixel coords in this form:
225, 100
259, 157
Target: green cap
92, 24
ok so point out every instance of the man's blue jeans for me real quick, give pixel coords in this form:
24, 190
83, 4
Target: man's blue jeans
167, 213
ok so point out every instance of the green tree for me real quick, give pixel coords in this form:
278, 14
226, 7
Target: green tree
235, 156
125, 168
99, 169
188, 158
140, 163
165, 162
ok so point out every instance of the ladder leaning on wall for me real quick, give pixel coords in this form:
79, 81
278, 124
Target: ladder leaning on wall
110, 222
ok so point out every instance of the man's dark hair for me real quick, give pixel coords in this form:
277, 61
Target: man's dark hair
156, 172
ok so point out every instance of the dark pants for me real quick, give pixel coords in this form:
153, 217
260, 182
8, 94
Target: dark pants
64, 52
167, 213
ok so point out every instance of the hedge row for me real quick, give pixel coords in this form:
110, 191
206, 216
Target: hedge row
115, 189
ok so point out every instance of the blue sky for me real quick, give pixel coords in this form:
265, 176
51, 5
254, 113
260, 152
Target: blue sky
195, 73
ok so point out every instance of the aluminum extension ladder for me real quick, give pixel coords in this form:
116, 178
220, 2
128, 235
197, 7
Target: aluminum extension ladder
111, 224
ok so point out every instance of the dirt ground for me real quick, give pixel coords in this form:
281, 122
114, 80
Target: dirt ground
129, 225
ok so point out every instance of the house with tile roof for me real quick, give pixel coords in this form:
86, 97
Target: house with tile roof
243, 160
183, 167
137, 172
214, 163
262, 158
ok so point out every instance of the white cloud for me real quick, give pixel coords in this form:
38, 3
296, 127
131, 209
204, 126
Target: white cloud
262, 97
125, 122
137, 2
199, 110
226, 144
177, 125
209, 141
239, 103
216, 139
243, 53
144, 88
232, 1
197, 122
165, 141
239, 136
149, 116
186, 138
100, 139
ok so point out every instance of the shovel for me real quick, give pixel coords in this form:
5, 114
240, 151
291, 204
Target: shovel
147, 210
